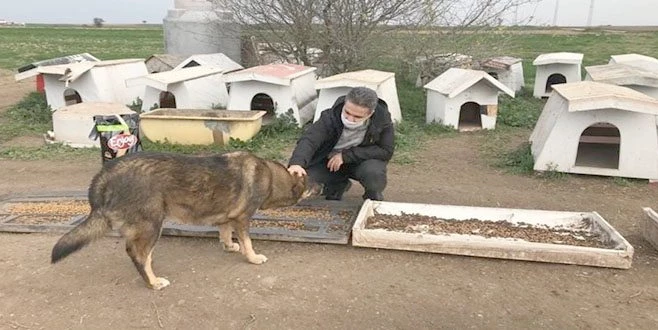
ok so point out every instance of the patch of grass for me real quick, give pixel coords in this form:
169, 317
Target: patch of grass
518, 160
522, 111
49, 151
551, 172
30, 116
412, 132
626, 182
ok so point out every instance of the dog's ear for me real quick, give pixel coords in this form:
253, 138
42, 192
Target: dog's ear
298, 184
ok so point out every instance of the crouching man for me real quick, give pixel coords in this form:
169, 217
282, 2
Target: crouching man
352, 140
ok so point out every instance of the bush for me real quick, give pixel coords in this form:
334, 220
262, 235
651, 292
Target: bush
33, 109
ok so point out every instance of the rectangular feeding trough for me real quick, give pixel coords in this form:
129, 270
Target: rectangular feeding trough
650, 231
582, 238
310, 221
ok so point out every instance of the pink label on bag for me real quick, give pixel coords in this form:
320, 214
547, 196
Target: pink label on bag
121, 141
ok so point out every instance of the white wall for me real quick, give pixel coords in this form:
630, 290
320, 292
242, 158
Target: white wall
115, 76
570, 71
99, 84
638, 144
305, 96
436, 107
327, 99
512, 78
151, 97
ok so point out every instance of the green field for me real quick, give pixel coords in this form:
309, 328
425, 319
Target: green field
20, 46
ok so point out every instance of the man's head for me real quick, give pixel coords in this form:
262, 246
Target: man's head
360, 103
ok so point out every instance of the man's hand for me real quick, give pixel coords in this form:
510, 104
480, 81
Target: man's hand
296, 170
335, 162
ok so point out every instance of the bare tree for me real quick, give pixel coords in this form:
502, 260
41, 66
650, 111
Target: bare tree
452, 33
353, 33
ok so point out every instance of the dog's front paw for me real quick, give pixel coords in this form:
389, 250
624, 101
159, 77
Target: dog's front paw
257, 259
232, 247
159, 283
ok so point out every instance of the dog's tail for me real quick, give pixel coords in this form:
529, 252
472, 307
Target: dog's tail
95, 226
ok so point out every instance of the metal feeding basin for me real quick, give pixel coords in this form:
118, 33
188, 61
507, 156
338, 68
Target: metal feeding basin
316, 221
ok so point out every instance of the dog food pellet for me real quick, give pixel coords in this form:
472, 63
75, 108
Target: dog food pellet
35, 219
415, 223
297, 212
291, 225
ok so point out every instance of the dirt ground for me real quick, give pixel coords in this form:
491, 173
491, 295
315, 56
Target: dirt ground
321, 286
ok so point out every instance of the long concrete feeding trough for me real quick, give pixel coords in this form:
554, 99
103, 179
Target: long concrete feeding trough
650, 230
616, 253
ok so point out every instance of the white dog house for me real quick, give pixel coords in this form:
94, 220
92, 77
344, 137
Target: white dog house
103, 81
275, 88
196, 87
339, 85
464, 99
508, 70
600, 129
556, 68
72, 124
637, 59
636, 78
218, 60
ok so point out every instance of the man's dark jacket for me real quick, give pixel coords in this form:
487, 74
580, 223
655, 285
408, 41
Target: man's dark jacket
319, 139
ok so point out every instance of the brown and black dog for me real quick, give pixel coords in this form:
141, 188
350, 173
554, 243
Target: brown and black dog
137, 192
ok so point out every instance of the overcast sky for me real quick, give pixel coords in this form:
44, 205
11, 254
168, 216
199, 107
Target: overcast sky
570, 13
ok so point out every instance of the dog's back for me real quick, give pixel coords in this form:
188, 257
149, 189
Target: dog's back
189, 188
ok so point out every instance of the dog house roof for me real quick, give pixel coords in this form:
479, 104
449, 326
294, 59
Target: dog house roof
623, 58
500, 63
217, 60
622, 74
558, 58
354, 79
278, 74
75, 70
162, 80
591, 95
29, 69
454, 81
169, 59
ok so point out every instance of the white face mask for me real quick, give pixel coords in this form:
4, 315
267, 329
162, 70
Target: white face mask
350, 124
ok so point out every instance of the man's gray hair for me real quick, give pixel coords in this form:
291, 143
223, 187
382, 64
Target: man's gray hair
364, 97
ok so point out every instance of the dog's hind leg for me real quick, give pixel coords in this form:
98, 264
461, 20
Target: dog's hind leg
242, 229
140, 241
226, 237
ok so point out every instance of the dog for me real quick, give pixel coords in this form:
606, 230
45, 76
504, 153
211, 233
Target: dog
135, 194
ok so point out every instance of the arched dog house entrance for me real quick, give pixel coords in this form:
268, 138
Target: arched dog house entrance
554, 79
71, 96
262, 101
599, 146
167, 100
469, 117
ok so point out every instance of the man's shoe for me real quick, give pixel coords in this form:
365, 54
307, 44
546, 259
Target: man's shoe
375, 196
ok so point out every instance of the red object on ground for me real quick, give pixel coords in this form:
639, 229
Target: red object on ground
40, 84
